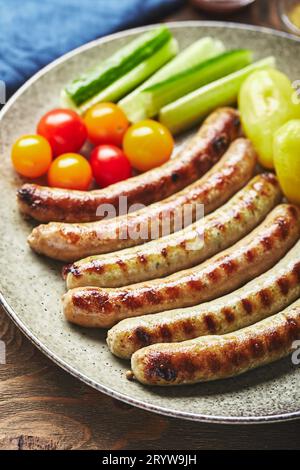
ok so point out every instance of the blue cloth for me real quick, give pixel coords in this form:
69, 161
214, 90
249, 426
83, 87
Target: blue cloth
35, 32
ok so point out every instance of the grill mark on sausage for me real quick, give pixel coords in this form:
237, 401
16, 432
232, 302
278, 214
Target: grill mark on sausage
142, 258
265, 297
72, 236
250, 255
293, 329
236, 122
214, 275
213, 363
159, 365
283, 228
296, 271
293, 212
165, 333
27, 195
71, 269
183, 244
256, 347
267, 243
229, 266
274, 340
164, 252
142, 336
172, 291
152, 296
121, 264
95, 267
195, 284
175, 177
130, 300
91, 301
220, 144
228, 314
284, 284
247, 306
210, 323
187, 327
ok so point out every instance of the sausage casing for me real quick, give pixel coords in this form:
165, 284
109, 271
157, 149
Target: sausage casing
218, 357
225, 272
197, 157
69, 242
185, 248
266, 295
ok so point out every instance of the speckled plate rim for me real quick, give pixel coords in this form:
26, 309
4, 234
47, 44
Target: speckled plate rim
54, 357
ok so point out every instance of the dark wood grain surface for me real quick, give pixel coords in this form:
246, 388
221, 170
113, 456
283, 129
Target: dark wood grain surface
42, 407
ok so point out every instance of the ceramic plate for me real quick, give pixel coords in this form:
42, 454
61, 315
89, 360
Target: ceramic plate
31, 286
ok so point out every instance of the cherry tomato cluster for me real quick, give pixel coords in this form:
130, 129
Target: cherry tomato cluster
119, 147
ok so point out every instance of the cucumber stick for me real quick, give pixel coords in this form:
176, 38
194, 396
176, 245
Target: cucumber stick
115, 67
201, 50
129, 81
193, 107
158, 95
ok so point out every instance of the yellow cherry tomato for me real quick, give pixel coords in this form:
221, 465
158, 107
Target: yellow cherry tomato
31, 156
266, 103
287, 159
148, 144
106, 123
70, 171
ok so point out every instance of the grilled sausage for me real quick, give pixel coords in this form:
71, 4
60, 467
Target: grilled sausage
218, 357
69, 242
264, 296
54, 204
185, 248
225, 272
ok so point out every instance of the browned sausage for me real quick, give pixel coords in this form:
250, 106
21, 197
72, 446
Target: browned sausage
218, 357
185, 248
264, 296
225, 272
67, 242
201, 152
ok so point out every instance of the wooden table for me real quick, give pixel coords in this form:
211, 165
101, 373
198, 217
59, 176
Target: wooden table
42, 407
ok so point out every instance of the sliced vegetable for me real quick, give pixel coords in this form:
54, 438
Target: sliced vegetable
195, 54
152, 99
31, 156
148, 144
192, 108
123, 61
70, 171
129, 81
106, 123
266, 103
109, 165
64, 129
286, 148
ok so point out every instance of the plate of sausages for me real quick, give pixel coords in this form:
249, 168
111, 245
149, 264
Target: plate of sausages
201, 322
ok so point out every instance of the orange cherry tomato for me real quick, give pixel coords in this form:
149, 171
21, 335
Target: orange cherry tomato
106, 123
148, 144
31, 156
70, 171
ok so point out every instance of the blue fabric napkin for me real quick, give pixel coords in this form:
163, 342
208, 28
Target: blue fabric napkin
35, 32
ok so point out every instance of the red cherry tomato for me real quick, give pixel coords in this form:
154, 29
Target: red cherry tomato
70, 171
64, 129
106, 123
109, 165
